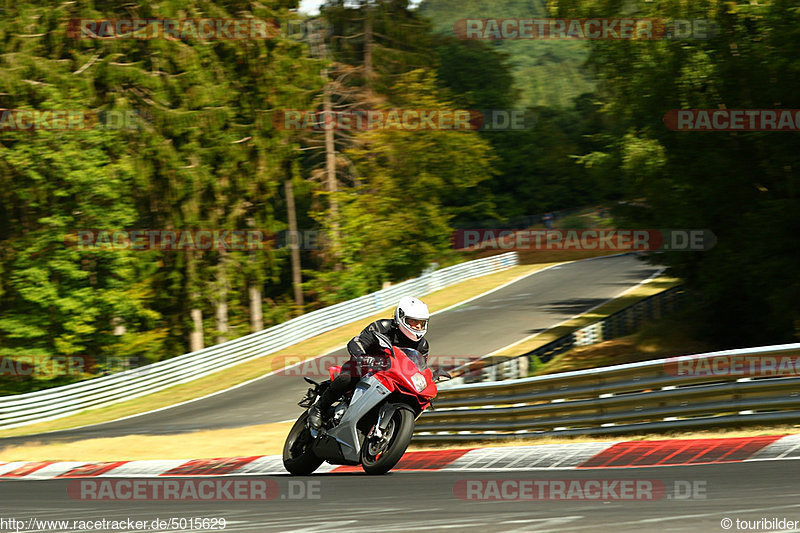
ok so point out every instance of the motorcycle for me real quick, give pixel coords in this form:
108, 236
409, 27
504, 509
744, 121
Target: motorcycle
370, 426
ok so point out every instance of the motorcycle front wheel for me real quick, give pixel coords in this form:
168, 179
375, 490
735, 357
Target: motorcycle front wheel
378, 456
298, 457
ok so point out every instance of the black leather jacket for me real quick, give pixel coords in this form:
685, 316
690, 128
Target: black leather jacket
367, 344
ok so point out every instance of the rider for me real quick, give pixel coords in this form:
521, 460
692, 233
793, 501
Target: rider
407, 329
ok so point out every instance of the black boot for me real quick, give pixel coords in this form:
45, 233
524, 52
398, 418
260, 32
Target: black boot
314, 417
323, 404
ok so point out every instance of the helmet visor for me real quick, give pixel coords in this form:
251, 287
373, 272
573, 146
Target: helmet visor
416, 324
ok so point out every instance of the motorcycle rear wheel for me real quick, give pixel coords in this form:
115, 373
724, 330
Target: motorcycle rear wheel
298, 458
378, 458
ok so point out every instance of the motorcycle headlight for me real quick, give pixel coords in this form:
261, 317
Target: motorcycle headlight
419, 381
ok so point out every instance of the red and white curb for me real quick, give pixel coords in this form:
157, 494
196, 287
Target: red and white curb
614, 454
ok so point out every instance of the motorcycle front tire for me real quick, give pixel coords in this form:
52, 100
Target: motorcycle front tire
403, 421
298, 457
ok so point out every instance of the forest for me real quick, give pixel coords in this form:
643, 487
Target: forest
182, 135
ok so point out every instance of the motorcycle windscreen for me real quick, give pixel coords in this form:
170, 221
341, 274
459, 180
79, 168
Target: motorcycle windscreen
419, 360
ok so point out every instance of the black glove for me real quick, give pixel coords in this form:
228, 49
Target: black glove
372, 363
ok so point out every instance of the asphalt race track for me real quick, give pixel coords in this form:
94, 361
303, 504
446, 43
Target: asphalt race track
694, 497
424, 501
476, 328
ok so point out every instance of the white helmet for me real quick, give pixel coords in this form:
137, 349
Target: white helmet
412, 317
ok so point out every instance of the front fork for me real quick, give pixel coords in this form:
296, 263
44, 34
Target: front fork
384, 418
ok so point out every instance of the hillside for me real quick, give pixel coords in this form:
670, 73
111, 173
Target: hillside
546, 73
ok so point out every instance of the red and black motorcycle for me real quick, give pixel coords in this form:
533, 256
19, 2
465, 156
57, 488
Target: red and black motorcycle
373, 425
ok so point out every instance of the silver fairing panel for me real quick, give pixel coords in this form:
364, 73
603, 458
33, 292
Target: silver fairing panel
369, 393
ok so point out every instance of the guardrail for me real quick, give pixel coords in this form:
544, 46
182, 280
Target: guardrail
623, 322
731, 387
40, 406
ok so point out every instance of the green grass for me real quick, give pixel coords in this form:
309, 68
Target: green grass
636, 294
664, 338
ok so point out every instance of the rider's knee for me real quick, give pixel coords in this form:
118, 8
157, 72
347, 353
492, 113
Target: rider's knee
341, 381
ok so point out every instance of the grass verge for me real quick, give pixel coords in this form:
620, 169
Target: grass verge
664, 338
264, 439
538, 340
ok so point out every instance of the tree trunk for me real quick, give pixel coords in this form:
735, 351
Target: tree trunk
254, 286
196, 314
222, 297
368, 45
294, 244
119, 326
330, 168
256, 312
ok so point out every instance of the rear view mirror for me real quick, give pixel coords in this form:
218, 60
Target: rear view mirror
441, 375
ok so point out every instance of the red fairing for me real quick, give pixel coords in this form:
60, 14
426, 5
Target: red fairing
397, 378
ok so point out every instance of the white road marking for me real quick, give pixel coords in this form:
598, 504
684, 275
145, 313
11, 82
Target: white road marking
725, 512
